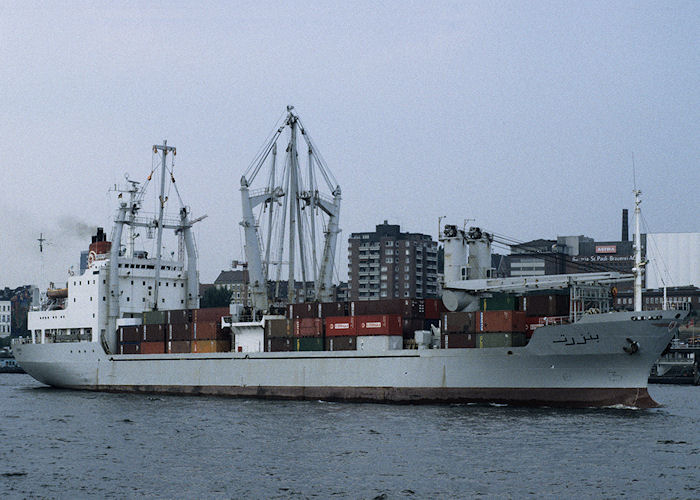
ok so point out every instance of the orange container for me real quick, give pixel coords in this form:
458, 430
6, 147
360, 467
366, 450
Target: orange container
204, 346
501, 321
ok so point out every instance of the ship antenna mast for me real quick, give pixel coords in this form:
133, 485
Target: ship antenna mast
638, 263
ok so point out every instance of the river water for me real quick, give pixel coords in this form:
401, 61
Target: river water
73, 444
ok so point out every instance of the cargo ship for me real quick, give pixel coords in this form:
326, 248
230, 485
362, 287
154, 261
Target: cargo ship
131, 322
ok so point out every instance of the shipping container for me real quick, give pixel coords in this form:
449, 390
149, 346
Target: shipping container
545, 304
204, 346
205, 330
223, 345
334, 309
434, 308
211, 314
500, 339
305, 310
499, 302
308, 327
458, 340
341, 326
154, 333
155, 317
180, 331
501, 321
308, 343
180, 316
406, 308
341, 343
378, 343
179, 346
275, 344
130, 333
278, 328
380, 324
152, 347
458, 322
129, 347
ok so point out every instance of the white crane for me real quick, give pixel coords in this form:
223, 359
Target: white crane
295, 208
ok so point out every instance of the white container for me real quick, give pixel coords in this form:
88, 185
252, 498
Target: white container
378, 343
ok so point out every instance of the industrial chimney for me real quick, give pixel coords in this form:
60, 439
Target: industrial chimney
625, 226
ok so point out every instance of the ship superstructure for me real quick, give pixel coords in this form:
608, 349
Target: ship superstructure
121, 282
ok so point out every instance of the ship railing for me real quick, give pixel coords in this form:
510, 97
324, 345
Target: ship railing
21, 340
553, 320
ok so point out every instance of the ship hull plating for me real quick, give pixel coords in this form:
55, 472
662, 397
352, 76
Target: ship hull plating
578, 365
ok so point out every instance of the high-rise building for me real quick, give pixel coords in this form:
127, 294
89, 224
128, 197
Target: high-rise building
387, 264
5, 318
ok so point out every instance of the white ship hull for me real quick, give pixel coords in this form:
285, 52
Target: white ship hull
577, 365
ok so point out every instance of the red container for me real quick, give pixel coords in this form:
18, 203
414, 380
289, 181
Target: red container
334, 309
180, 316
380, 324
130, 333
432, 308
305, 310
341, 343
407, 308
211, 314
280, 344
180, 331
154, 333
308, 327
205, 330
458, 322
129, 347
179, 346
501, 321
152, 347
341, 326
458, 340
532, 323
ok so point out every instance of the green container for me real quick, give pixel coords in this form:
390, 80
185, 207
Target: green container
155, 317
308, 344
497, 339
501, 339
499, 302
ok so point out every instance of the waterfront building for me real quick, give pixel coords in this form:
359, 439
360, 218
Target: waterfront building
387, 263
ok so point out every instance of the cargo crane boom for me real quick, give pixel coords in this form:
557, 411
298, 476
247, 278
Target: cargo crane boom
295, 208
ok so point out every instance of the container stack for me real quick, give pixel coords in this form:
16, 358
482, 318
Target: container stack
178, 331
279, 335
497, 324
543, 309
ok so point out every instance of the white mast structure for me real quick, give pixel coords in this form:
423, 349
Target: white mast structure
127, 215
297, 201
638, 270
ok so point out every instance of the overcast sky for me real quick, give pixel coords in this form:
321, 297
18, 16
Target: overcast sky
524, 116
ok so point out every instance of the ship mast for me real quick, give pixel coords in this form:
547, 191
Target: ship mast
159, 239
638, 270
